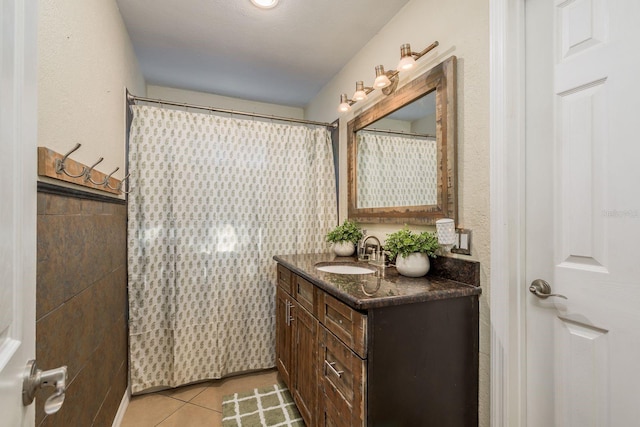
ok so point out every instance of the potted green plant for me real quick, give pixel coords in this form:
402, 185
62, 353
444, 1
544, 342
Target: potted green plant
344, 238
411, 251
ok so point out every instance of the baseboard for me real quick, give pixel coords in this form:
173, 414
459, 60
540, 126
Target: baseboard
122, 409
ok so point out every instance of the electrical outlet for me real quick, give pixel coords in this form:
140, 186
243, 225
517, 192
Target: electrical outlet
463, 243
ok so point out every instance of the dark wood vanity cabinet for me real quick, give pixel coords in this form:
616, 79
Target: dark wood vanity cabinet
305, 344
297, 341
342, 383
414, 364
283, 335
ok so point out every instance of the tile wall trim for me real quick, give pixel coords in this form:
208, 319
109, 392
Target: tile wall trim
45, 187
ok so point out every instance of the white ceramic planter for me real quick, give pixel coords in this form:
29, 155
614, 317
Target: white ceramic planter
414, 265
344, 248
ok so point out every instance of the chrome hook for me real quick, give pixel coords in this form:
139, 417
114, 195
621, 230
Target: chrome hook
88, 173
60, 164
106, 180
121, 185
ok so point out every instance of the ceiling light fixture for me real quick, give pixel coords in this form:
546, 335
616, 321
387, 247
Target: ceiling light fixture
265, 4
387, 81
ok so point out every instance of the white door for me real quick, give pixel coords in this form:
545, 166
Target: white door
17, 204
583, 212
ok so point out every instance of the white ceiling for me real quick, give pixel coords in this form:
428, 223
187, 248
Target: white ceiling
283, 55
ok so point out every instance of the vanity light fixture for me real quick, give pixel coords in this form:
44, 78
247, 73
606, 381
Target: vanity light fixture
359, 95
387, 81
382, 80
345, 104
265, 4
408, 58
361, 92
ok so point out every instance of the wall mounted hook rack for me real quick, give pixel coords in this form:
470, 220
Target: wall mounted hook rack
61, 167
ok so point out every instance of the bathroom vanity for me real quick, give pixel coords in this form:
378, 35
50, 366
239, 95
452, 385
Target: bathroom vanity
379, 349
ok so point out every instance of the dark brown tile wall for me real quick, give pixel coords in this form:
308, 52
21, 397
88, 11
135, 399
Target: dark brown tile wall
81, 306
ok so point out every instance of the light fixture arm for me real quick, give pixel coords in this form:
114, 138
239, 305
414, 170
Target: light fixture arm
418, 55
395, 79
343, 97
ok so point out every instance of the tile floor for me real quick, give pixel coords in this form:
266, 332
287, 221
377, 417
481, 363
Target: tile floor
197, 405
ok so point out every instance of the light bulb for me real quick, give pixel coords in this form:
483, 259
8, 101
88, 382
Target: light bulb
360, 94
406, 58
381, 78
344, 104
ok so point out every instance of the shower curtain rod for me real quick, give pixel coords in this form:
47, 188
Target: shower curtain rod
134, 98
397, 132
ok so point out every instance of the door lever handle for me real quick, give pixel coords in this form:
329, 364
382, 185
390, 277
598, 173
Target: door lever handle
35, 378
542, 289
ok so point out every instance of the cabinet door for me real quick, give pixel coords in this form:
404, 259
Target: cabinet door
342, 379
329, 416
305, 385
283, 335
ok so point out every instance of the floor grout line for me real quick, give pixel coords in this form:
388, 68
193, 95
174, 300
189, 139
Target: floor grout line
167, 417
204, 407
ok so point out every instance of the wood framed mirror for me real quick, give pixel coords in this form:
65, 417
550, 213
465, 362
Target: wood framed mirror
402, 153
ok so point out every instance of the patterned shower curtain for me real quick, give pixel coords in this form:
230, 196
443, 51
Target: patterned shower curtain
212, 200
396, 170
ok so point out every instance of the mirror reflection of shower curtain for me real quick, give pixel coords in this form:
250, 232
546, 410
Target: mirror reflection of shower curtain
213, 199
396, 170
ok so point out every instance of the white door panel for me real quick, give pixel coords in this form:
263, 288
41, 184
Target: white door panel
583, 212
18, 205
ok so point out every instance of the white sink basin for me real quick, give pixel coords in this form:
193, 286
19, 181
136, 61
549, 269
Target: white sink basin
345, 269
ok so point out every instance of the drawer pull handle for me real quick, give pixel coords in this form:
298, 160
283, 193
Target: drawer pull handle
288, 317
291, 318
333, 369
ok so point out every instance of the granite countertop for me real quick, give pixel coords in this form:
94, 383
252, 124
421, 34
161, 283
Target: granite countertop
387, 287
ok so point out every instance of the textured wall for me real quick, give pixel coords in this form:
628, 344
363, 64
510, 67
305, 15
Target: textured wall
85, 61
212, 100
462, 29
81, 306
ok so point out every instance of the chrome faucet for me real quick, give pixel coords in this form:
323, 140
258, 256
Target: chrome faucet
376, 257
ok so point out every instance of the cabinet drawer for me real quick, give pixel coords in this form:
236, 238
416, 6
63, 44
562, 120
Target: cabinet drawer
342, 380
284, 279
304, 293
346, 323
